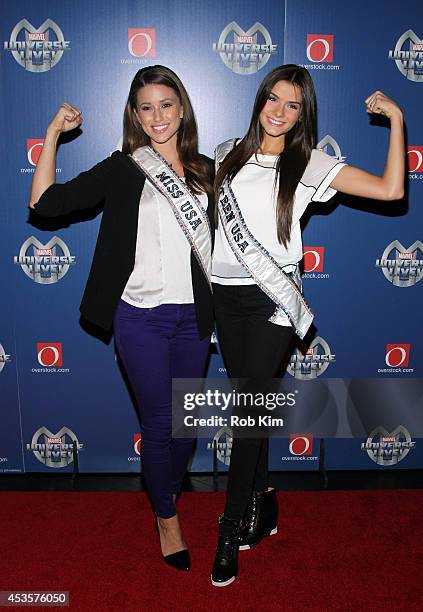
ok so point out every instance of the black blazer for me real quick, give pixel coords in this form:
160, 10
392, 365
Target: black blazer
119, 183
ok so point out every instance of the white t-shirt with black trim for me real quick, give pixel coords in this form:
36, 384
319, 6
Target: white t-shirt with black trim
256, 194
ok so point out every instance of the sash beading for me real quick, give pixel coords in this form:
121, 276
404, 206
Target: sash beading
189, 213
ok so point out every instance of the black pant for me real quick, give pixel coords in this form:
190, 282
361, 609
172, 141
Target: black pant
253, 348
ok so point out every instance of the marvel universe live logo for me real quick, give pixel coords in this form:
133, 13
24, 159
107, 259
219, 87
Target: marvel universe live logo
44, 263
37, 50
54, 449
245, 52
222, 445
329, 145
4, 357
388, 448
409, 60
400, 266
312, 363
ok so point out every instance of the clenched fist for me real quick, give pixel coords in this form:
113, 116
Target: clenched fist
380, 104
67, 118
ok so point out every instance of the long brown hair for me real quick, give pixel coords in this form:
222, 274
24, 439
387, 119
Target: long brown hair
299, 142
196, 169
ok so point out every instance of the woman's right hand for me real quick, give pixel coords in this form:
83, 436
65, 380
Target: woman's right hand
67, 118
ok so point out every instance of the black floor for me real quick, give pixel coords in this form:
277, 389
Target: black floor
283, 481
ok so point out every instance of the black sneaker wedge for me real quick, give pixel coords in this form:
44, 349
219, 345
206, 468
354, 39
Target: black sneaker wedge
261, 519
225, 567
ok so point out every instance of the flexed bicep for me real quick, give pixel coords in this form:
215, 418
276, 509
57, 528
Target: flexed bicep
390, 185
67, 118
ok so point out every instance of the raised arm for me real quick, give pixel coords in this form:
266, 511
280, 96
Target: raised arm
67, 118
389, 186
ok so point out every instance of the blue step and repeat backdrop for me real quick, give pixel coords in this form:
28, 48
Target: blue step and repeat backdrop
59, 385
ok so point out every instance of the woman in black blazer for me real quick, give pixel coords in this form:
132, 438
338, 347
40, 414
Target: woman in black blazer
156, 295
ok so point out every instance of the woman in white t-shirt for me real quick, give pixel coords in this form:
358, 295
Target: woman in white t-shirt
264, 184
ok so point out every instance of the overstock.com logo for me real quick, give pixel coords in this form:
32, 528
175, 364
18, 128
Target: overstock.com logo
137, 449
142, 42
313, 259
141, 45
137, 443
34, 147
313, 262
4, 357
320, 47
44, 263
313, 363
415, 163
319, 51
397, 355
245, 52
397, 359
388, 448
403, 267
50, 358
301, 444
415, 159
55, 450
50, 354
37, 50
408, 56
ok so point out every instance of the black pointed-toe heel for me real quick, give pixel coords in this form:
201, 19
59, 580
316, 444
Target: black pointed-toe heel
261, 519
180, 560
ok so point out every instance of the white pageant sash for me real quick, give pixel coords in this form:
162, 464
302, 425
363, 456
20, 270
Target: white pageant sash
186, 207
258, 262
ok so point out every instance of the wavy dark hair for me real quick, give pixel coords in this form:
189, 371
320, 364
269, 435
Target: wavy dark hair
299, 142
196, 169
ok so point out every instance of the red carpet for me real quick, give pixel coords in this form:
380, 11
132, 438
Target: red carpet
355, 550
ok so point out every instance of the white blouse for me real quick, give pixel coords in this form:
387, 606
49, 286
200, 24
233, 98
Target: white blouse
254, 189
162, 270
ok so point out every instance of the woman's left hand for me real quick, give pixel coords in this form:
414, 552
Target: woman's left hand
380, 104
